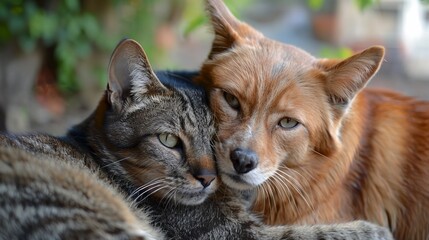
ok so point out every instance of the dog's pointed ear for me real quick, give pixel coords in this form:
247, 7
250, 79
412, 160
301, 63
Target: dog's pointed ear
344, 79
227, 28
130, 75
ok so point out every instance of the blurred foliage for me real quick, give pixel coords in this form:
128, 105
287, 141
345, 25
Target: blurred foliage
196, 18
61, 25
340, 53
362, 4
74, 28
315, 4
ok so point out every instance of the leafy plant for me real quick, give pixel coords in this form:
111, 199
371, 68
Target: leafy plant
61, 25
73, 32
362, 4
196, 18
340, 53
315, 4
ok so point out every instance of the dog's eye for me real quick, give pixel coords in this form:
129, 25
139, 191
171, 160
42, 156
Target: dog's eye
169, 140
288, 123
231, 100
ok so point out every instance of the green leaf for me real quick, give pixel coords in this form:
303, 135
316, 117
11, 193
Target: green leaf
194, 24
328, 52
82, 48
73, 29
72, 5
5, 34
315, 4
43, 25
90, 26
364, 4
67, 79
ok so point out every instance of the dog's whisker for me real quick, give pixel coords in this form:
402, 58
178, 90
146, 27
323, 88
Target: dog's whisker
284, 188
296, 186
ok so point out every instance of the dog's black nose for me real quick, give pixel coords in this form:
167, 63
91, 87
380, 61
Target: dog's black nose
244, 160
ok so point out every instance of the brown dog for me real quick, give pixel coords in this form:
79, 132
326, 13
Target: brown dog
302, 131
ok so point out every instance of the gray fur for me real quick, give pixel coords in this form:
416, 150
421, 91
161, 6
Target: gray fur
117, 150
43, 197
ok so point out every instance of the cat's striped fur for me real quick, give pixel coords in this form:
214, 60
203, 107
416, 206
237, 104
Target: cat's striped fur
43, 197
152, 140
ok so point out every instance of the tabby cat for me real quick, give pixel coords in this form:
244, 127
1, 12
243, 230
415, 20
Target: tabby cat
152, 140
43, 197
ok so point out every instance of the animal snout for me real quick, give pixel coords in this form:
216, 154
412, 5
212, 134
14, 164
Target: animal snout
205, 177
243, 160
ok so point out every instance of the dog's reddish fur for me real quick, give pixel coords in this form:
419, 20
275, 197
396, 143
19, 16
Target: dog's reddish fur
356, 154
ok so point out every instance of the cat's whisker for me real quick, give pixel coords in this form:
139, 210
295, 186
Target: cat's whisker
173, 197
166, 196
149, 189
148, 184
114, 162
143, 192
151, 193
170, 197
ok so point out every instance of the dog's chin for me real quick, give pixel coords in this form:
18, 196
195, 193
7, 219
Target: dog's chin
239, 182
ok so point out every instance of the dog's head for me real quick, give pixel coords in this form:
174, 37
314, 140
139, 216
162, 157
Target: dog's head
275, 104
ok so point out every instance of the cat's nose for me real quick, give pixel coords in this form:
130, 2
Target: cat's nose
205, 177
243, 160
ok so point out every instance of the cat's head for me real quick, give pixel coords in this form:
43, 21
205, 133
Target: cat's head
276, 106
156, 136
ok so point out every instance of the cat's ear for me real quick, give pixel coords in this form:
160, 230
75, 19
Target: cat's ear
344, 79
229, 31
130, 75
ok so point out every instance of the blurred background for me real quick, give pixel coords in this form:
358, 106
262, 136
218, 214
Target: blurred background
54, 53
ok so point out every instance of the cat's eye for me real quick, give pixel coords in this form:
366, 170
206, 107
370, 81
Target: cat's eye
231, 100
288, 123
169, 140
